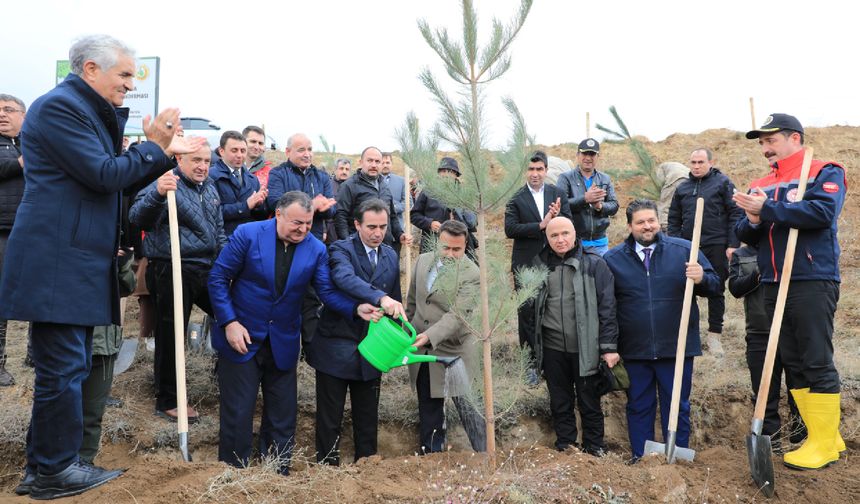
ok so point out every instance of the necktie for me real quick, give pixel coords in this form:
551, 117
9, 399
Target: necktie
647, 260
372, 256
238, 175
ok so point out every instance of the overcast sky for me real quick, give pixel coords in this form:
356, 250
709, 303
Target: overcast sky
348, 69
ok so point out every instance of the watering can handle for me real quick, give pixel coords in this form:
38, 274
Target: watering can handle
407, 325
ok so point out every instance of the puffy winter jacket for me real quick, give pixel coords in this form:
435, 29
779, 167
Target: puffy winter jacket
201, 225
816, 216
649, 303
311, 181
11, 181
590, 224
720, 212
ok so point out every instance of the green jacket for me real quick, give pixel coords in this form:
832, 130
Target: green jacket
108, 339
593, 291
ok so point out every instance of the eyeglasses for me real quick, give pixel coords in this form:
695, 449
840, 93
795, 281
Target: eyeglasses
10, 110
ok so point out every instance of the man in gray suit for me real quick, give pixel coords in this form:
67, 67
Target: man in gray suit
396, 184
443, 332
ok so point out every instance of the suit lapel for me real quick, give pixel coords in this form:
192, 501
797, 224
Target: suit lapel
266, 238
530, 201
363, 260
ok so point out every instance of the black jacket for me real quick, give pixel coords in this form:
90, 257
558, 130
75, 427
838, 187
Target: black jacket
355, 190
201, 225
744, 281
11, 180
590, 224
522, 223
720, 216
427, 210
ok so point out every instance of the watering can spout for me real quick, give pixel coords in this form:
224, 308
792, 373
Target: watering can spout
446, 361
390, 345
411, 358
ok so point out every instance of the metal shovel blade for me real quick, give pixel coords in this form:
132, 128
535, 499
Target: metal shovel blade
126, 356
183, 446
760, 454
670, 449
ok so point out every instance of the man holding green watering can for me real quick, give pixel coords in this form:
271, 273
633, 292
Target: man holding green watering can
441, 279
369, 271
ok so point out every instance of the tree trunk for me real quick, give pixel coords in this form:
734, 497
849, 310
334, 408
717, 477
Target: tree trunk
485, 337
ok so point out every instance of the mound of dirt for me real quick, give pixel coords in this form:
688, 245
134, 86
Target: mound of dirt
527, 469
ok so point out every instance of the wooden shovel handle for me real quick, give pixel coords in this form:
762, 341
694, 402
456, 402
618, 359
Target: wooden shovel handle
178, 316
681, 351
407, 225
781, 296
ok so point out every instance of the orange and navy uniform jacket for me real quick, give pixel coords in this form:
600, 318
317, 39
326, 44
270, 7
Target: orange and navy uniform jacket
815, 217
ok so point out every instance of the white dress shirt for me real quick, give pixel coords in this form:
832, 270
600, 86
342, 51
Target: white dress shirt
538, 196
640, 248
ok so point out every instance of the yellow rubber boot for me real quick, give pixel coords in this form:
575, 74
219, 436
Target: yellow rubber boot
821, 414
800, 399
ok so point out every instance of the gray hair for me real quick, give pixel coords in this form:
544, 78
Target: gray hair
342, 160
8, 97
104, 50
294, 137
290, 197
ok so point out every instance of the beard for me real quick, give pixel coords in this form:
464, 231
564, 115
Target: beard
642, 240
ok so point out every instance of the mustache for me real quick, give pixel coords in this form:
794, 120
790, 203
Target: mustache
769, 154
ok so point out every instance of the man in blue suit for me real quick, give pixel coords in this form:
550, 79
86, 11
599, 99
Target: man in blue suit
242, 198
651, 273
368, 270
60, 269
256, 288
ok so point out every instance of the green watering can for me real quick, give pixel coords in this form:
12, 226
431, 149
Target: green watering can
388, 345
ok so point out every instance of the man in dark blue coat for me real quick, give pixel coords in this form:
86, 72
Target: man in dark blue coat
242, 198
299, 174
60, 268
651, 272
369, 271
256, 287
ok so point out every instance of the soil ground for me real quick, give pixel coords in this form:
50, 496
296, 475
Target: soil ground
528, 468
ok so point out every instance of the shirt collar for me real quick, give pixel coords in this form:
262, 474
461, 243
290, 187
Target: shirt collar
640, 247
539, 191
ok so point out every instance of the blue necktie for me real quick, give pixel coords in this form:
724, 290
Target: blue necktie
372, 256
647, 260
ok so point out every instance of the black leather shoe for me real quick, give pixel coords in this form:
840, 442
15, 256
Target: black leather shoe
26, 484
73, 480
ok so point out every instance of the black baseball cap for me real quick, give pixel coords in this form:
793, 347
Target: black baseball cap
774, 123
589, 145
449, 163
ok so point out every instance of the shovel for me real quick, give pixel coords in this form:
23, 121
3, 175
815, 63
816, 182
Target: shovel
126, 356
178, 329
669, 449
759, 448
